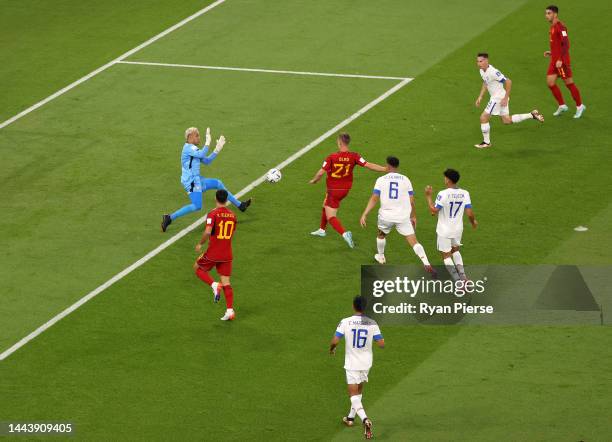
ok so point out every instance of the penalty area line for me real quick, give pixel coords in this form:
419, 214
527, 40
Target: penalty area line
266, 71
12, 349
110, 63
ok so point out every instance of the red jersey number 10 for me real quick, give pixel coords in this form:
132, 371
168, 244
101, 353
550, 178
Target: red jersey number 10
226, 229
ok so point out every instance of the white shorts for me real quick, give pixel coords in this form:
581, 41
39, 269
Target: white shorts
404, 228
494, 108
356, 376
446, 244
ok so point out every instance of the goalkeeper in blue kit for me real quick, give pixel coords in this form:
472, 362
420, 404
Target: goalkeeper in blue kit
195, 184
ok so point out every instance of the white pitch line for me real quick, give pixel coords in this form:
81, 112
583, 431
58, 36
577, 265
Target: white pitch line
267, 71
9, 351
110, 63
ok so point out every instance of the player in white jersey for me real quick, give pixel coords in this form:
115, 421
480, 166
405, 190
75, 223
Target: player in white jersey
396, 196
359, 332
451, 203
499, 87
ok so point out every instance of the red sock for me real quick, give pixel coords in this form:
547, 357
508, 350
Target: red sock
204, 276
335, 222
323, 219
575, 94
557, 93
229, 296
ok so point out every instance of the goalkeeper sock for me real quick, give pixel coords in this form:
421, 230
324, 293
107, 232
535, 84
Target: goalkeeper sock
204, 276
486, 132
380, 245
233, 199
229, 296
323, 219
335, 223
196, 204
420, 252
517, 118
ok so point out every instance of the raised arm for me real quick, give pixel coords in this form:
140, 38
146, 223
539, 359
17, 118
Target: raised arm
371, 204
432, 208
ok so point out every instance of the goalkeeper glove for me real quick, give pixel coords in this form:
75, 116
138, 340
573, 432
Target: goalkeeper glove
208, 137
220, 144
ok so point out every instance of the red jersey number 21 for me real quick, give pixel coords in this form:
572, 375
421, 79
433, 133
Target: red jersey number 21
337, 173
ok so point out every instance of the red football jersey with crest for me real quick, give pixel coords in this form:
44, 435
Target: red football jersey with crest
339, 167
223, 223
559, 43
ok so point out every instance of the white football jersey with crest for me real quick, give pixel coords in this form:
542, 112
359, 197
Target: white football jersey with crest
394, 190
359, 333
494, 80
451, 204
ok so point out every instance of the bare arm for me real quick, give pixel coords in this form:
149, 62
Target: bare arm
375, 167
432, 208
380, 343
470, 214
317, 176
412, 211
371, 204
333, 344
507, 87
481, 94
205, 236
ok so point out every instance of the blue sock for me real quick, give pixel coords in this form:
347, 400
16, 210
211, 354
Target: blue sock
183, 211
233, 199
196, 204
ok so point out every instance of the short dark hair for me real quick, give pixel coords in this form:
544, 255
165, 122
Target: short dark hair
553, 8
452, 175
483, 55
360, 303
221, 196
345, 138
393, 161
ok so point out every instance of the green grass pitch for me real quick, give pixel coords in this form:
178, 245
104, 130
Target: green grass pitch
86, 177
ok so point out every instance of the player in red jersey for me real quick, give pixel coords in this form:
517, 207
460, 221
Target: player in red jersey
339, 169
220, 228
560, 63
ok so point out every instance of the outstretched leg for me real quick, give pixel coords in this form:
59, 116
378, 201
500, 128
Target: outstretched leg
196, 204
213, 183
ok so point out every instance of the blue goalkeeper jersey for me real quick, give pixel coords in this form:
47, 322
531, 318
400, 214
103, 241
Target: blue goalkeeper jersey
191, 157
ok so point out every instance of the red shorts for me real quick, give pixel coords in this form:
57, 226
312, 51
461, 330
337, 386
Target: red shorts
334, 196
224, 268
565, 71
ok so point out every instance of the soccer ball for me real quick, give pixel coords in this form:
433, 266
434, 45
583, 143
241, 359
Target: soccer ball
274, 175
